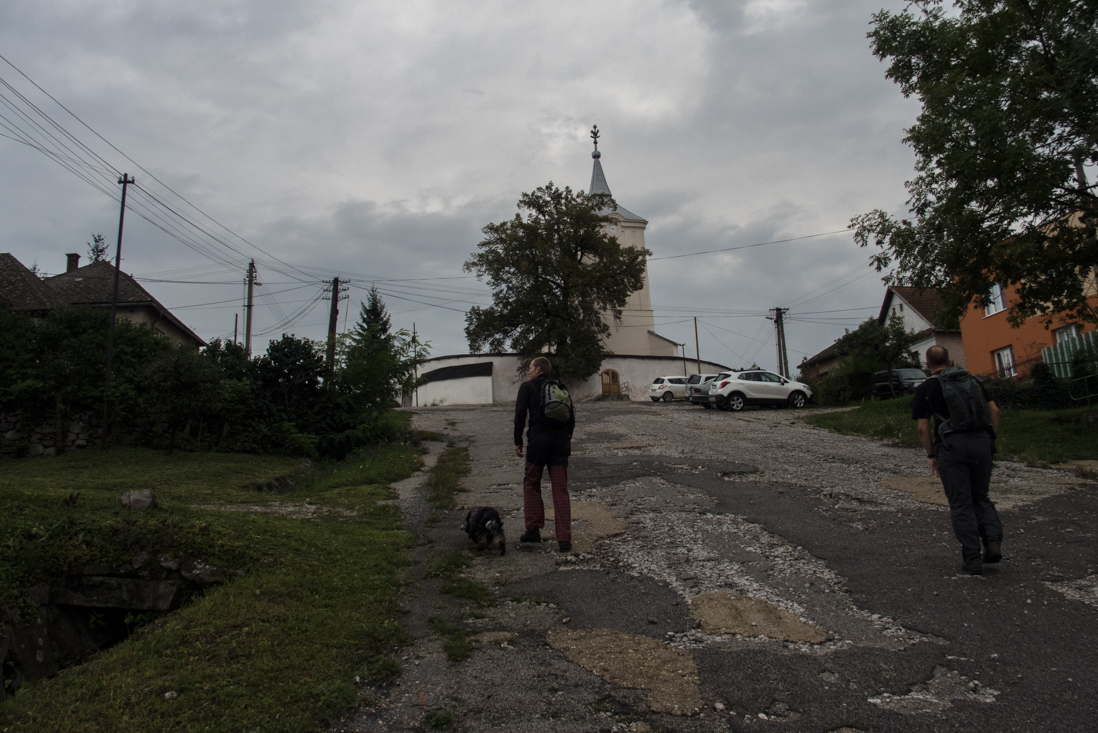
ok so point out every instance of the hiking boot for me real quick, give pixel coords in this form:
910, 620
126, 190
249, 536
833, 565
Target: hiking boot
974, 567
531, 535
564, 546
992, 553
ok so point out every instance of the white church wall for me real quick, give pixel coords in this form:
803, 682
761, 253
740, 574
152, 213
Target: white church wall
464, 391
635, 373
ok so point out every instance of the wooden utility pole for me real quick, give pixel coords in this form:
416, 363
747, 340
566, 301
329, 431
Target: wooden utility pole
248, 310
125, 180
333, 319
697, 349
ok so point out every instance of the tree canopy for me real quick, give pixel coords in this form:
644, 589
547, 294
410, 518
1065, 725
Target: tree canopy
1009, 126
554, 272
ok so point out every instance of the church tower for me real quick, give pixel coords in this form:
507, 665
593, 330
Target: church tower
634, 334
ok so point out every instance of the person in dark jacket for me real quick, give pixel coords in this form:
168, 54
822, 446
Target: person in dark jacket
549, 444
963, 465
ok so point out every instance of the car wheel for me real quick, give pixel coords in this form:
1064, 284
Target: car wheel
797, 400
655, 399
734, 402
667, 397
707, 406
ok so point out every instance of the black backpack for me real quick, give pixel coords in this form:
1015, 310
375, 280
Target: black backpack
968, 410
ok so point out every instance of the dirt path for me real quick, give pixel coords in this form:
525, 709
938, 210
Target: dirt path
746, 572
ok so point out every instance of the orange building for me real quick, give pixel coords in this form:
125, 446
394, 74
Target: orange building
994, 348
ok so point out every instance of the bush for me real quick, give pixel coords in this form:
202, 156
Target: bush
1045, 392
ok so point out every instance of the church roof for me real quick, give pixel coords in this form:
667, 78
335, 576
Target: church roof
600, 186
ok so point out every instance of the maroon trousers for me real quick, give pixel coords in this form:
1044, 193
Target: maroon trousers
534, 508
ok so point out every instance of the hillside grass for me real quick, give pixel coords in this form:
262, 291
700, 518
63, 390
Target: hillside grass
311, 603
1030, 436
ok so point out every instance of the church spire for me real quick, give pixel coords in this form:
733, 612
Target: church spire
598, 180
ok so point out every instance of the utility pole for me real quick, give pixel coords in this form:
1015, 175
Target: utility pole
236, 321
333, 319
697, 349
783, 354
415, 368
248, 310
125, 180
683, 347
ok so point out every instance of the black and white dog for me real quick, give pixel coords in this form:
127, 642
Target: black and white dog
483, 525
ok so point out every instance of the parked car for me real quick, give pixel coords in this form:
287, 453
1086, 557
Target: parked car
667, 388
904, 381
697, 389
757, 387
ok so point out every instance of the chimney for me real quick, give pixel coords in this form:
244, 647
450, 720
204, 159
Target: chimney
74, 262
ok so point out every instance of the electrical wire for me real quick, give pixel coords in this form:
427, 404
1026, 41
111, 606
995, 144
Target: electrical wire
749, 246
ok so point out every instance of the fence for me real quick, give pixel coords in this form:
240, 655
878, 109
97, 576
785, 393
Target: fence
1060, 356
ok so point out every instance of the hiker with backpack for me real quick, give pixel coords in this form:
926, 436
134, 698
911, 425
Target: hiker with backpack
545, 406
960, 448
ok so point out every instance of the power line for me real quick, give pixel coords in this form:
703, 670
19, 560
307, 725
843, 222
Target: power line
749, 246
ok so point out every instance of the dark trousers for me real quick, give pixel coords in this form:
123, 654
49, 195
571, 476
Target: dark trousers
965, 470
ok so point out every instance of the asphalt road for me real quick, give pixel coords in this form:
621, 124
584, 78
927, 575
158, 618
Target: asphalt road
793, 534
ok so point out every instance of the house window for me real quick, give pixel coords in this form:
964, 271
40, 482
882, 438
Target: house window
1066, 333
997, 300
1004, 362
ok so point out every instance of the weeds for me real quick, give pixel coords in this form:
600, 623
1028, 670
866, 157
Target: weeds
446, 478
456, 643
470, 590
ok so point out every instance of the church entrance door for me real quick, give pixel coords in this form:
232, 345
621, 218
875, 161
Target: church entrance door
611, 383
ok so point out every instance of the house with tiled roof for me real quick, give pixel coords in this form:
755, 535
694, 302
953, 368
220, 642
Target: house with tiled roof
22, 290
921, 311
91, 286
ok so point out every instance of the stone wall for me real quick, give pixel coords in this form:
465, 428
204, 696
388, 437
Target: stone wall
42, 438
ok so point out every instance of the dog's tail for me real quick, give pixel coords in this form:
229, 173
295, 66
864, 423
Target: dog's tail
496, 528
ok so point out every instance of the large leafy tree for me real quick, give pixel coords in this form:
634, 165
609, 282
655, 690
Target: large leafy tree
1009, 126
553, 272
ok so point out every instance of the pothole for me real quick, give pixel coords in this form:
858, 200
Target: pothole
669, 675
937, 694
721, 613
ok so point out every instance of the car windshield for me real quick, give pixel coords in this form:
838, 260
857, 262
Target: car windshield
657, 380
912, 374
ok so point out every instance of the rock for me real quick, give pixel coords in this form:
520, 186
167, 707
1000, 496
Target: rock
169, 563
171, 695
35, 450
98, 591
199, 572
139, 499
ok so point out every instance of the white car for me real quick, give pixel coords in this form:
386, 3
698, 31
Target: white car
667, 388
757, 387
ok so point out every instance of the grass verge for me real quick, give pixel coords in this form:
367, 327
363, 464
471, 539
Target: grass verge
446, 477
1030, 436
277, 648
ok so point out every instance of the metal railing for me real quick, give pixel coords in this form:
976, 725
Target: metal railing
1088, 385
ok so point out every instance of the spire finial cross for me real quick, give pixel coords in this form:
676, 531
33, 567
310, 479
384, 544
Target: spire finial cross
595, 136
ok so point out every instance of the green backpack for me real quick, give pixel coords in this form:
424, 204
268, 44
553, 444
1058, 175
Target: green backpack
556, 403
968, 410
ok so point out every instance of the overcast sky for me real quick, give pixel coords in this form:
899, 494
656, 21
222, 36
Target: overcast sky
373, 141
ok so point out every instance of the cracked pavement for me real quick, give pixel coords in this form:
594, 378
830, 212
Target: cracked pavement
746, 572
